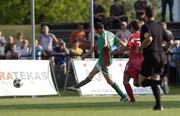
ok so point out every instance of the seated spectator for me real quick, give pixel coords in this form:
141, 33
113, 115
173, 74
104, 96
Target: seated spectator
2, 46
10, 41
60, 53
178, 59
12, 53
117, 14
99, 12
79, 35
76, 51
24, 50
19, 39
173, 61
96, 36
139, 7
38, 50
123, 35
46, 41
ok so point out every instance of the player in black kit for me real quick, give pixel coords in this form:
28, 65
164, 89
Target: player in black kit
154, 57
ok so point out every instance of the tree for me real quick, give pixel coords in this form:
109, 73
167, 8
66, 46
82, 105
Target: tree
19, 11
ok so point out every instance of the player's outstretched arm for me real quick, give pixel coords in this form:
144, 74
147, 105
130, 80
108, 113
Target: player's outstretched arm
87, 53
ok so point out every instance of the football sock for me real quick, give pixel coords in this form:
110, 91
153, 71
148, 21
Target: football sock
149, 82
85, 81
129, 92
156, 92
118, 90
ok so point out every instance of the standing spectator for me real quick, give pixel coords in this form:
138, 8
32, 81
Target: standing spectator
139, 7
2, 46
24, 50
154, 57
60, 53
46, 41
117, 14
170, 3
19, 39
12, 53
99, 12
10, 40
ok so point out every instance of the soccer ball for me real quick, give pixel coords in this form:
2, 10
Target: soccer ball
17, 83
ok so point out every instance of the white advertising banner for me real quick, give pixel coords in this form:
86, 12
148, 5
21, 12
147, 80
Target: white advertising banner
26, 78
99, 86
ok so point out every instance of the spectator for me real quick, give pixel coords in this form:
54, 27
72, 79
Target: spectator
19, 39
79, 35
173, 68
10, 40
46, 41
170, 3
123, 35
38, 50
60, 53
76, 51
117, 14
12, 53
2, 46
96, 36
99, 12
24, 50
139, 7
178, 59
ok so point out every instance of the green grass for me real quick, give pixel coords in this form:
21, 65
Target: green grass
13, 29
87, 106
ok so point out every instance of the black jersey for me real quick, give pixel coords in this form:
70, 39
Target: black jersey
153, 29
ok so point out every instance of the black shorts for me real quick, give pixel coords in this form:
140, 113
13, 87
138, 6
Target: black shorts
153, 64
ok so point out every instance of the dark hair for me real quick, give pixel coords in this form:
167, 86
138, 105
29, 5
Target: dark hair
135, 24
98, 25
150, 10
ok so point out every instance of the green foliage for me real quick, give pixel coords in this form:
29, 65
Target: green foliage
19, 11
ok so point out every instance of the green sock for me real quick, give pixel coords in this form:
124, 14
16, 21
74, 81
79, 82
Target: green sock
118, 90
82, 83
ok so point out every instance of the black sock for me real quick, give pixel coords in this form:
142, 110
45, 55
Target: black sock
85, 81
156, 92
149, 82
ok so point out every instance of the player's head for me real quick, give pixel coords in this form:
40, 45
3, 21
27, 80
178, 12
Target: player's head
135, 25
150, 11
99, 27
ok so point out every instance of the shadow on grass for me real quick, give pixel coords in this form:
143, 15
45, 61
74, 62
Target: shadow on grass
91, 106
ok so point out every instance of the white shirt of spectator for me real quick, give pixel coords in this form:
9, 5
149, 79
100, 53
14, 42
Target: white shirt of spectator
124, 34
2, 46
47, 42
24, 53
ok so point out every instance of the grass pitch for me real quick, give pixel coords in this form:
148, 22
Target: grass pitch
87, 106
